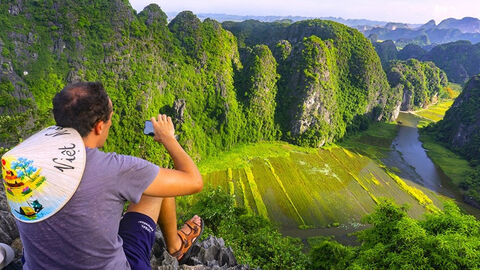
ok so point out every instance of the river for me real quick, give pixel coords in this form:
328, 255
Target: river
413, 163
409, 156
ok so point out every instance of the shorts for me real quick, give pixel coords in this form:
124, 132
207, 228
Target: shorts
138, 233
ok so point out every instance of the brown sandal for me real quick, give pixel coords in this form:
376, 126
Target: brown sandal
188, 240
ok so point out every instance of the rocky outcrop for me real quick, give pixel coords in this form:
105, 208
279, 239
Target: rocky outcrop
308, 99
8, 228
210, 253
330, 77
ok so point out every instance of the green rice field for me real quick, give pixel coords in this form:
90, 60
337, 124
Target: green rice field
299, 187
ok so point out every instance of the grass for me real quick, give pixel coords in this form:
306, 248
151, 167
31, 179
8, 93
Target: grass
435, 112
454, 166
374, 142
308, 187
241, 155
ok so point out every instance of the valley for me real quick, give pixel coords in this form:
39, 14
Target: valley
309, 192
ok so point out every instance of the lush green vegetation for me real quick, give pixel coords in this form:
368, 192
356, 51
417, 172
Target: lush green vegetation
387, 51
330, 69
191, 70
459, 131
443, 240
437, 111
447, 239
458, 59
421, 83
257, 88
254, 239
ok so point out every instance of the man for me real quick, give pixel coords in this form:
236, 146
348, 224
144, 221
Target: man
89, 231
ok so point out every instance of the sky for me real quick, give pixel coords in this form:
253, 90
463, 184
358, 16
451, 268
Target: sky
408, 11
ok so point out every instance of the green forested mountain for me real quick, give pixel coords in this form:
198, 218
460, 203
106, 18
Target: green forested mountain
458, 59
386, 50
460, 131
331, 80
325, 78
421, 83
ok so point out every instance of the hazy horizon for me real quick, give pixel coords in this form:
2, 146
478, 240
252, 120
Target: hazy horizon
406, 11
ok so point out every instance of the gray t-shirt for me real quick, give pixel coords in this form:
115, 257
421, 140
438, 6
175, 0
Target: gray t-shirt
84, 233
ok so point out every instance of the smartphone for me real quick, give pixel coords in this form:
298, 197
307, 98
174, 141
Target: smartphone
148, 129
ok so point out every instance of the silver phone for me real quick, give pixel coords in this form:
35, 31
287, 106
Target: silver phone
148, 129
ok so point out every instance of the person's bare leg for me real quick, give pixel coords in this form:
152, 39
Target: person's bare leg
149, 206
163, 212
168, 224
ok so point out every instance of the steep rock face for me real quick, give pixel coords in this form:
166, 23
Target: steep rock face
460, 127
308, 99
420, 83
257, 88
361, 89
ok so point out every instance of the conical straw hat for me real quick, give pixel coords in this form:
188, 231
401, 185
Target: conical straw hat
41, 174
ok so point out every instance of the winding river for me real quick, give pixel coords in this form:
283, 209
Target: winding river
412, 162
409, 156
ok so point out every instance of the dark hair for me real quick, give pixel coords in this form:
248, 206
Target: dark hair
81, 105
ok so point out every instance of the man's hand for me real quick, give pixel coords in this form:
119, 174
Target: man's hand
185, 178
163, 128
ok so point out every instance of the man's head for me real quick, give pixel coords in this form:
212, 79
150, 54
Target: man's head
86, 107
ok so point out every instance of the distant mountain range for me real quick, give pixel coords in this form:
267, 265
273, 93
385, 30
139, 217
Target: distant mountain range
448, 30
426, 35
240, 18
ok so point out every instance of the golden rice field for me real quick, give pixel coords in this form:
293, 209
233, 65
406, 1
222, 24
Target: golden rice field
435, 112
305, 187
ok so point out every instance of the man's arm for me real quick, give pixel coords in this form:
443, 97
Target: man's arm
185, 178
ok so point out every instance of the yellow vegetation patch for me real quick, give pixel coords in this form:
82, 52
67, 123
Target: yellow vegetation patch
374, 179
415, 193
350, 154
245, 198
257, 197
284, 190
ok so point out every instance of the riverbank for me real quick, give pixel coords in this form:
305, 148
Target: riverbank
452, 164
